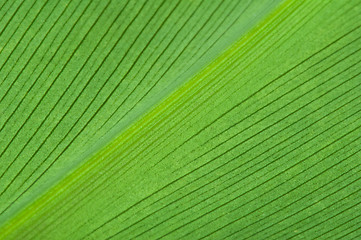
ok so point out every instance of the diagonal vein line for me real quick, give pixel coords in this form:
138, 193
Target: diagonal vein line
242, 102
1, 8
269, 126
260, 154
320, 173
270, 103
11, 18
127, 163
169, 67
91, 77
348, 222
285, 140
268, 180
173, 126
82, 113
206, 174
29, 116
222, 165
353, 231
308, 194
84, 125
42, 58
316, 53
158, 28
23, 35
321, 210
327, 219
215, 193
32, 55
92, 118
41, 101
21, 151
17, 28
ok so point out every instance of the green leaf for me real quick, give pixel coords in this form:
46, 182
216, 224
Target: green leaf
180, 119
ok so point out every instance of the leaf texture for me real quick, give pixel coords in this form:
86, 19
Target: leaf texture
180, 119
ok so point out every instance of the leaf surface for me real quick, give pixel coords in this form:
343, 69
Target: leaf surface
180, 119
